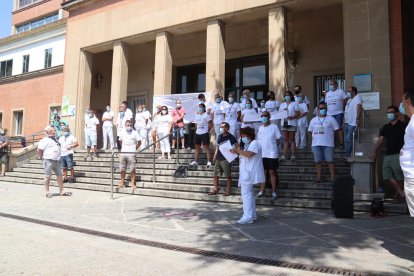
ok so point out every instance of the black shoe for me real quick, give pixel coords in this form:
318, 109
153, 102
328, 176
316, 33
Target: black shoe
65, 180
72, 180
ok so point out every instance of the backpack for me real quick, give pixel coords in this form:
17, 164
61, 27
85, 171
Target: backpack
181, 172
377, 207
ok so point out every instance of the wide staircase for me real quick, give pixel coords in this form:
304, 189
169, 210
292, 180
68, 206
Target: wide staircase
296, 187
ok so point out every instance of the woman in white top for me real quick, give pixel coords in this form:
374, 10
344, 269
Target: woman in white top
155, 117
250, 112
141, 122
302, 122
251, 172
289, 124
164, 126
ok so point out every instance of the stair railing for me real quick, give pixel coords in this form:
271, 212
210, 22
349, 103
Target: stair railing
137, 152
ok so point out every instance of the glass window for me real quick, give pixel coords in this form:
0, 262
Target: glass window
1, 119
18, 122
184, 84
26, 59
191, 78
37, 23
48, 58
201, 82
6, 68
255, 75
24, 3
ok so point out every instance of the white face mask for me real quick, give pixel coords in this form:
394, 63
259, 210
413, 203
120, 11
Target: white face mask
140, 110
164, 112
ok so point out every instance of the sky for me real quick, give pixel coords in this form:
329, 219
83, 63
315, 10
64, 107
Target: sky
6, 7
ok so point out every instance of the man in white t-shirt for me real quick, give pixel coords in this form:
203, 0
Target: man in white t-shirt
124, 114
91, 134
218, 113
335, 100
407, 152
203, 126
67, 143
130, 142
268, 137
232, 115
245, 97
323, 127
107, 128
353, 111
48, 151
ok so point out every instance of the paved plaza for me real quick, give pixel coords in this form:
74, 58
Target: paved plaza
301, 236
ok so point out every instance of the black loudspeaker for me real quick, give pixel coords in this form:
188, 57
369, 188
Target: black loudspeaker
343, 197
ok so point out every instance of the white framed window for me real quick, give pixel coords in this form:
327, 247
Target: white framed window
25, 3
48, 57
37, 23
18, 122
26, 60
6, 68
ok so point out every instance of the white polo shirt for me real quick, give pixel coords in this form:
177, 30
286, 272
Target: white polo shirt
51, 149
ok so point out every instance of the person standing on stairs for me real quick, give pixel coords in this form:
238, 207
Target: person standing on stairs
203, 126
289, 125
124, 115
353, 111
130, 141
164, 126
218, 113
232, 115
48, 151
91, 134
67, 142
178, 114
107, 128
251, 172
335, 100
4, 143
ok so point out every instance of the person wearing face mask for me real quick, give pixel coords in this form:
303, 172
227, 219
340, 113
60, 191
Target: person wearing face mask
141, 121
155, 116
289, 125
124, 115
107, 128
299, 91
221, 166
91, 135
392, 134
353, 111
203, 126
218, 113
322, 128
49, 150
202, 99
130, 143
335, 100
67, 143
4, 143
269, 137
164, 126
300, 136
251, 172
407, 152
248, 111
178, 124
246, 97
321, 100
232, 115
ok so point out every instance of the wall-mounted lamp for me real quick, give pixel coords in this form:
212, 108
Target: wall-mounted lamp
292, 57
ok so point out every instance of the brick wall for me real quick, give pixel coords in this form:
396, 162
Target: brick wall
40, 9
34, 96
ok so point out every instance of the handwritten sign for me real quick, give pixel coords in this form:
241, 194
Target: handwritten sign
370, 100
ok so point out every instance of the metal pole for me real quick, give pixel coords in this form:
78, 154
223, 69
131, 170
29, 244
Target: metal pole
112, 175
153, 162
178, 148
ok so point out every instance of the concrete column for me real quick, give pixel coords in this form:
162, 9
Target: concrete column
163, 64
277, 52
215, 57
83, 97
119, 82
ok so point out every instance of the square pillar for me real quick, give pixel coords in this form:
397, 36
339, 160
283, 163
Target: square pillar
215, 57
277, 52
163, 64
119, 82
83, 98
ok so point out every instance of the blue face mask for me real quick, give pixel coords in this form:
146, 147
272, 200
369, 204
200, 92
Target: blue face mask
221, 130
299, 99
262, 104
402, 110
288, 98
264, 120
349, 94
322, 112
231, 100
390, 116
218, 100
200, 110
201, 102
245, 140
122, 113
129, 129
248, 106
66, 133
331, 87
322, 99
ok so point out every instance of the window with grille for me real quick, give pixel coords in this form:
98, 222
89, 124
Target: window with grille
26, 59
322, 84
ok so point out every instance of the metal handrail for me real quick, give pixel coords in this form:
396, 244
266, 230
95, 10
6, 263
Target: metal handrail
26, 138
135, 153
358, 130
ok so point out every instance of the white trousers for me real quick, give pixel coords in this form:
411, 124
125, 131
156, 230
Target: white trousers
249, 202
164, 143
143, 134
217, 130
234, 130
300, 136
409, 194
108, 132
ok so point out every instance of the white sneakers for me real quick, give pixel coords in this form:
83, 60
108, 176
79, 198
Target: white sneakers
194, 163
208, 164
274, 195
244, 221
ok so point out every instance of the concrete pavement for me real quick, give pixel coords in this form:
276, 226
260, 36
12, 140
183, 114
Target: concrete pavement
314, 237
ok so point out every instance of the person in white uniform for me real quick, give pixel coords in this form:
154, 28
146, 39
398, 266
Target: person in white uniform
248, 112
124, 115
251, 172
232, 115
407, 152
91, 135
245, 98
141, 122
202, 99
218, 111
353, 111
48, 151
130, 142
268, 137
299, 91
336, 100
107, 128
164, 127
289, 125
302, 122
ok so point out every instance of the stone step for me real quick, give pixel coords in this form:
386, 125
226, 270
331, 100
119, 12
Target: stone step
285, 202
